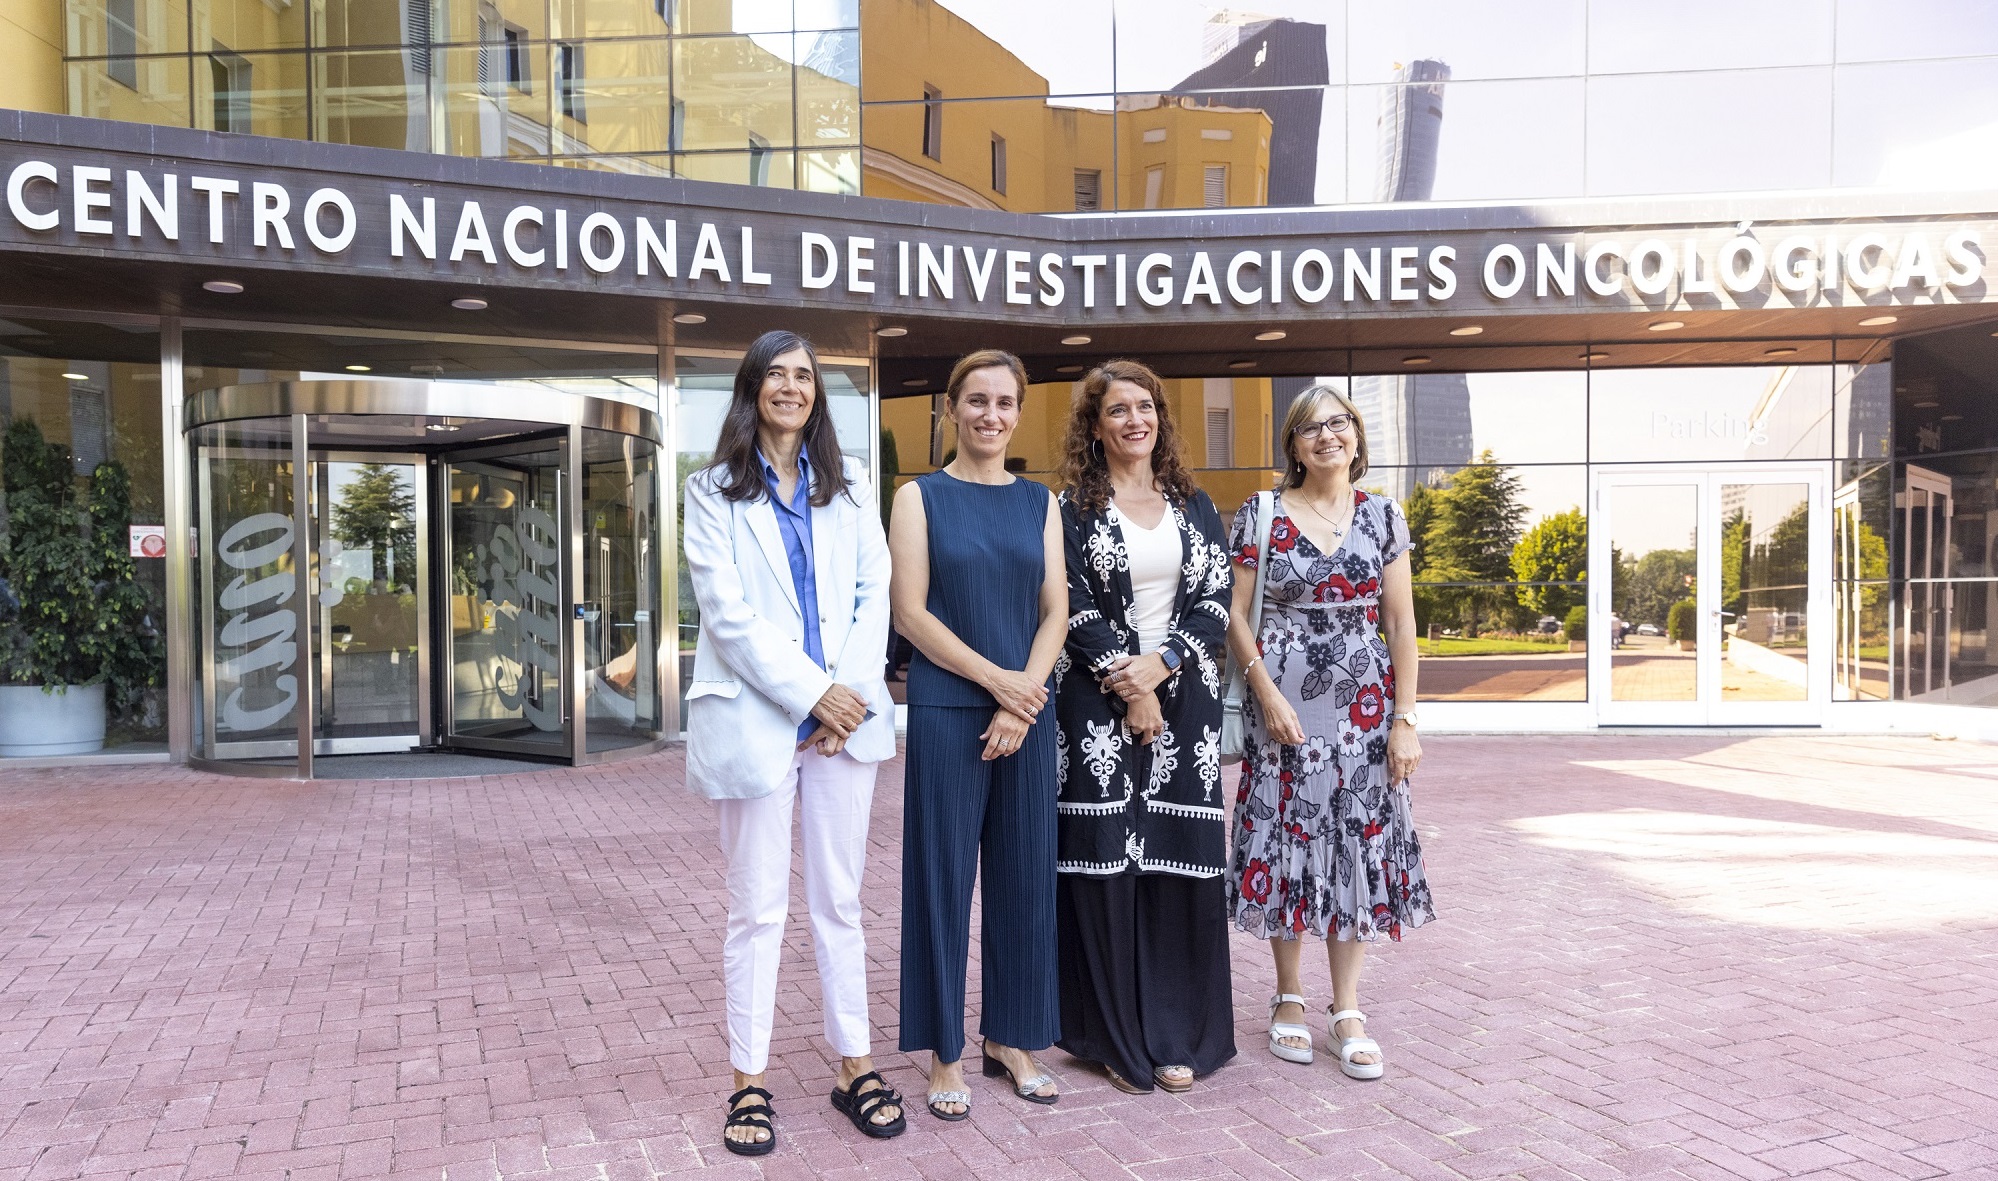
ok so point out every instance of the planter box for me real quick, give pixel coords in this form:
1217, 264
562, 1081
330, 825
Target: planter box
1578, 645
1685, 645
34, 724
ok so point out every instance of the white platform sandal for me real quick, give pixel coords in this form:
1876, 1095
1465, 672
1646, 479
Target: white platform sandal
1283, 1029
1350, 1046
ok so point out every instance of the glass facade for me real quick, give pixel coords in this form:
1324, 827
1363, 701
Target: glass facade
1707, 504
750, 93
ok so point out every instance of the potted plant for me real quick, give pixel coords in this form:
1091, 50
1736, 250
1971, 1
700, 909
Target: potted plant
1577, 628
1682, 623
76, 641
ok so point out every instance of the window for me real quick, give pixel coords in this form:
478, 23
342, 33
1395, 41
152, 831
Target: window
1214, 193
229, 75
488, 73
759, 160
1088, 189
1220, 438
998, 163
517, 75
569, 81
932, 123
121, 40
416, 33
1154, 185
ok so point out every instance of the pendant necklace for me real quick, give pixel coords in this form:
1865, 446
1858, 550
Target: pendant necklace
1338, 530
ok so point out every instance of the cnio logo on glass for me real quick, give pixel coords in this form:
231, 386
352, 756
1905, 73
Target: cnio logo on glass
1082, 268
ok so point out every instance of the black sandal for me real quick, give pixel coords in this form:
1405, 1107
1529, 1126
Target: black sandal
860, 1106
755, 1115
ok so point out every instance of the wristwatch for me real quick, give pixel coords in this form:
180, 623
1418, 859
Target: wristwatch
1171, 659
1408, 717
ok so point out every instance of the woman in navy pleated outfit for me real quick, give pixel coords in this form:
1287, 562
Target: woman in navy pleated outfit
980, 589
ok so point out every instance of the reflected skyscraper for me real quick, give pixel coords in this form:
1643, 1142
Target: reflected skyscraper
1417, 427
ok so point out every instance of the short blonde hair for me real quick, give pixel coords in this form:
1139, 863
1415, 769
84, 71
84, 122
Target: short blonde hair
971, 363
1307, 407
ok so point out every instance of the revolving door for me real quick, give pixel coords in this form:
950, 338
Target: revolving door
399, 566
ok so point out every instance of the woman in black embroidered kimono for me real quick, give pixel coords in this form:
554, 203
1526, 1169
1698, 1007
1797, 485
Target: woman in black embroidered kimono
1142, 822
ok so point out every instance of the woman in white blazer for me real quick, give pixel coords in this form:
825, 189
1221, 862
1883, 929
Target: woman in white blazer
788, 710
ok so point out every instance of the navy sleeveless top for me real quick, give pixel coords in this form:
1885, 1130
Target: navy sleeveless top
988, 558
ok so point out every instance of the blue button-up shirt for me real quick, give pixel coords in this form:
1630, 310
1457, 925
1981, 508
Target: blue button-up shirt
794, 524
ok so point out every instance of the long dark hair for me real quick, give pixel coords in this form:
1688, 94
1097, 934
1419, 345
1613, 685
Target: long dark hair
1084, 471
735, 450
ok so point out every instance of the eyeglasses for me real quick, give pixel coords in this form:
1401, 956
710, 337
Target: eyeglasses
1337, 424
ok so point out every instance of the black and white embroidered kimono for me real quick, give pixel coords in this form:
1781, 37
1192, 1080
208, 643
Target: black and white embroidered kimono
1127, 806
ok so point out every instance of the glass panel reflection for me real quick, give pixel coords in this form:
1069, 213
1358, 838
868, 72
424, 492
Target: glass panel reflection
985, 48
1750, 413
1533, 39
252, 608
1654, 625
828, 90
1860, 511
142, 90
613, 96
1886, 135
730, 93
1464, 141
1183, 46
122, 28
1712, 132
377, 99
369, 622
771, 169
1706, 35
1765, 532
620, 590
496, 100
1500, 559
506, 601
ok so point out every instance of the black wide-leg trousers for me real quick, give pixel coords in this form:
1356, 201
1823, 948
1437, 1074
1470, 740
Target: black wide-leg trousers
1144, 972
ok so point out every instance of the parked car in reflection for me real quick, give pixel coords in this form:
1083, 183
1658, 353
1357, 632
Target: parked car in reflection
1548, 625
1649, 629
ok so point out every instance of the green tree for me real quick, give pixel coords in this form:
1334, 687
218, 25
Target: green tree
1477, 521
378, 511
1554, 551
1419, 507
1644, 588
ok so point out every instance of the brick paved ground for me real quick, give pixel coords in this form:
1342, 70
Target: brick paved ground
1658, 957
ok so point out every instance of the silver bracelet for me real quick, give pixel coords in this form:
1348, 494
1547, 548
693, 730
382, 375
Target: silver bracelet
1253, 663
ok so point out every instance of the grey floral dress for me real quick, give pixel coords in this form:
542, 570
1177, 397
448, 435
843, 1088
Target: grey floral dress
1322, 841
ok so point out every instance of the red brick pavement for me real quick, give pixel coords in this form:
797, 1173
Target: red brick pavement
1657, 957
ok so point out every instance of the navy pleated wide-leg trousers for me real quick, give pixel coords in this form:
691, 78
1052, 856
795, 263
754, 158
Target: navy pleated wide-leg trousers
961, 815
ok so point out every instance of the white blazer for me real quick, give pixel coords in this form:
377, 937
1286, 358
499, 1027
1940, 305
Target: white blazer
753, 684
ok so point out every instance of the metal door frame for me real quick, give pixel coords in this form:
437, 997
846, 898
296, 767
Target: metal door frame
425, 719
563, 445
1707, 708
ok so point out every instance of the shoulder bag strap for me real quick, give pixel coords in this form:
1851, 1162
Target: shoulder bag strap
1265, 523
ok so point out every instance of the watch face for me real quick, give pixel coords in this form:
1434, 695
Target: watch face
1171, 659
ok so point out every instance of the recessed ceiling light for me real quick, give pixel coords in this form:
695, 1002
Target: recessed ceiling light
1467, 330
469, 304
1665, 325
1952, 418
1931, 404
690, 318
223, 287
1272, 334
1877, 321
1781, 351
1241, 364
1068, 369
1078, 338
1417, 360
915, 382
891, 331
1598, 356
360, 368
77, 376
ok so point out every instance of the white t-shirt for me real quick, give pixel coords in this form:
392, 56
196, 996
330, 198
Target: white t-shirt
1155, 556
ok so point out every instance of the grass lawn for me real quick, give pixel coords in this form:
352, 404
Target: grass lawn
1459, 647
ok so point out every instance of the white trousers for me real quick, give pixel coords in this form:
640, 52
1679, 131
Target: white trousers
836, 795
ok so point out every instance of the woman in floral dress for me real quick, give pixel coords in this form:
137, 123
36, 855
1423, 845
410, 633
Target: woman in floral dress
1323, 839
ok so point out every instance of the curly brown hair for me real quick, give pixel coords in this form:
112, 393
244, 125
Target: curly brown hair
1085, 474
